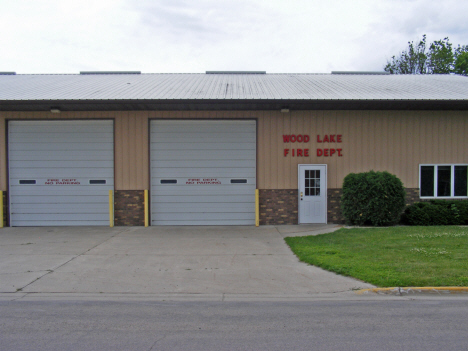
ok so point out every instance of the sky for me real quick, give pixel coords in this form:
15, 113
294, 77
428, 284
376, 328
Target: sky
194, 36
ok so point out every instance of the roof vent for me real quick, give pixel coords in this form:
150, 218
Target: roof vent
235, 72
360, 72
7, 73
110, 72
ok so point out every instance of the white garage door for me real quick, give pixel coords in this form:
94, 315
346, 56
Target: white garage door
60, 172
203, 172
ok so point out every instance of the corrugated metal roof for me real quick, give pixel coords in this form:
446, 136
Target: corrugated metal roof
199, 87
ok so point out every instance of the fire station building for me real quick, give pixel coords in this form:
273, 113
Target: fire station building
221, 148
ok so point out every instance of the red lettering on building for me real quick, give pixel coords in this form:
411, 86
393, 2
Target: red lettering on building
292, 138
65, 181
203, 181
328, 152
297, 152
208, 181
304, 138
329, 138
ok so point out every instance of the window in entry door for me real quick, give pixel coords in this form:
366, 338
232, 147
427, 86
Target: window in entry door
312, 183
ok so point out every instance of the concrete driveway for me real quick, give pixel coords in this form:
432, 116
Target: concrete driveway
161, 261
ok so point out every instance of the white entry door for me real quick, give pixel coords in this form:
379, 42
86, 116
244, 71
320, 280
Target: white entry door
312, 193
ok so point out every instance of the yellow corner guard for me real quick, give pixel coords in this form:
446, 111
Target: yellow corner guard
146, 209
111, 208
257, 209
1, 209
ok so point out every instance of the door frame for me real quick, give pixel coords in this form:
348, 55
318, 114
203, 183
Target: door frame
299, 190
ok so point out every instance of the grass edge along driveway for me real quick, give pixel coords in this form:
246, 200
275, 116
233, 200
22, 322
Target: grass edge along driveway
390, 257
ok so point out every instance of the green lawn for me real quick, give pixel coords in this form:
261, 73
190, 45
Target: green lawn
387, 257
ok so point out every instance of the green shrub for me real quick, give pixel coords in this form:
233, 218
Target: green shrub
462, 207
376, 198
437, 212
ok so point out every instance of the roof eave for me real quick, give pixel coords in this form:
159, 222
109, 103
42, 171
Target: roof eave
231, 104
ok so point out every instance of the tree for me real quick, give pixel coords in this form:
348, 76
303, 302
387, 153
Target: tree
440, 58
411, 61
461, 60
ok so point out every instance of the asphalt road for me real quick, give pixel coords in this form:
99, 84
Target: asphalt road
387, 323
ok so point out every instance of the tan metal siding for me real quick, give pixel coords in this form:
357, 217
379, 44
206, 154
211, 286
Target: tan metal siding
131, 150
394, 141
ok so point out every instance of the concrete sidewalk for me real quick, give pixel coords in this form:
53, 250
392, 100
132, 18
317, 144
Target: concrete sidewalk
169, 261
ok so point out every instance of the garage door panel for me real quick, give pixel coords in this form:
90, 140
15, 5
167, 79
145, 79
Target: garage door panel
52, 217
32, 173
52, 146
42, 181
63, 164
211, 207
215, 190
194, 146
71, 190
31, 126
213, 127
201, 199
208, 138
207, 162
62, 157
59, 223
202, 172
201, 222
182, 181
197, 155
70, 208
221, 150
204, 216
64, 137
62, 200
